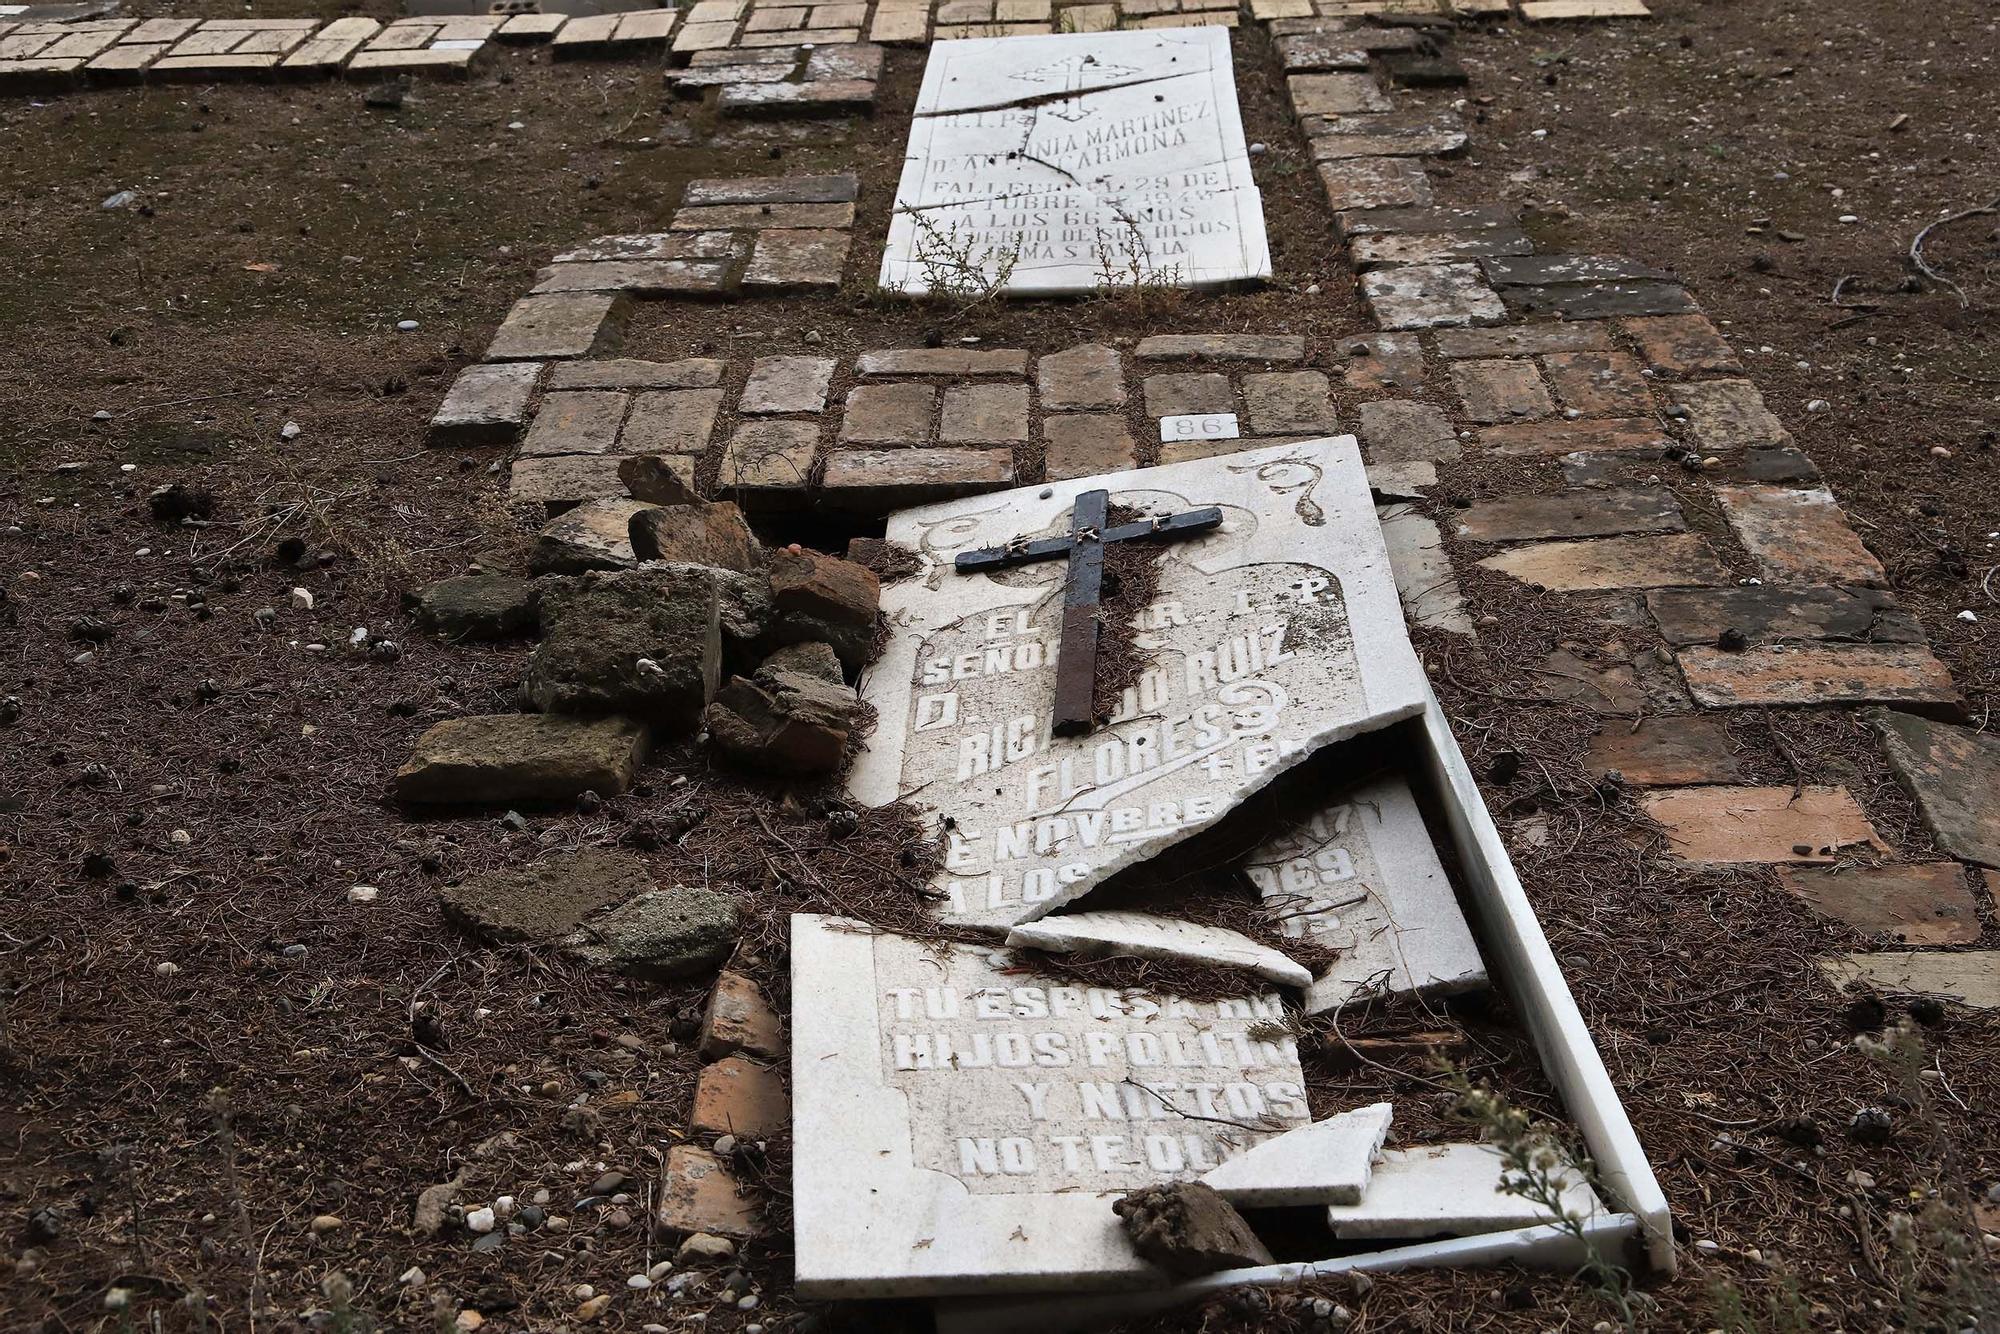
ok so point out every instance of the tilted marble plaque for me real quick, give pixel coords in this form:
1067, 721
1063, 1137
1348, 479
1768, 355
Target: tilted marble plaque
1077, 162
1360, 875
964, 1129
1270, 636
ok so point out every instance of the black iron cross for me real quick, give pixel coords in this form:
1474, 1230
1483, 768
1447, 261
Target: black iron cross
1076, 661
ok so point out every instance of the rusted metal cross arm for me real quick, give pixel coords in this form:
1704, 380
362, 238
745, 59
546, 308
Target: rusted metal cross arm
1052, 548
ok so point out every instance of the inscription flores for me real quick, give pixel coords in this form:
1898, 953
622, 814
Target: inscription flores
1270, 635
970, 1126
1063, 164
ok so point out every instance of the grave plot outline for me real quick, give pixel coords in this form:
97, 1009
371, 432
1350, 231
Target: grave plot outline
1273, 635
1077, 161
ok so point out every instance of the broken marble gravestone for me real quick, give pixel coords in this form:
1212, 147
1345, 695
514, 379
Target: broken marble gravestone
965, 1117
1076, 162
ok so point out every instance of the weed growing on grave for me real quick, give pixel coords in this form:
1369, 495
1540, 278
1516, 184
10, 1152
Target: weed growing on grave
1122, 268
955, 269
1537, 1163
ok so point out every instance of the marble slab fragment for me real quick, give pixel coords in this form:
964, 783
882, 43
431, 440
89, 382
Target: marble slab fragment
1448, 1190
1328, 1162
1149, 936
1077, 161
1270, 636
1362, 877
964, 1127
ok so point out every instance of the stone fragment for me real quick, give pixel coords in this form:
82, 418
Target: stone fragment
1614, 688
741, 1098
1926, 904
1665, 752
662, 935
1326, 1162
1521, 340
627, 373
1420, 221
1307, 53
738, 1018
876, 481
817, 597
821, 97
956, 362
486, 404
1728, 414
1402, 431
1581, 513
1087, 444
674, 421
1718, 826
852, 63
658, 479
787, 384
1384, 361
1386, 248
1608, 435
759, 217
1954, 774
1782, 611
789, 259
1682, 345
1541, 270
1187, 395
576, 423
1798, 535
1222, 347
1970, 978
1334, 94
544, 901
1379, 135
889, 414
531, 27
477, 607
541, 328
1289, 402
560, 482
1187, 1229
984, 414
1805, 674
1430, 296
1374, 182
1599, 384
769, 464
520, 759
1679, 559
645, 278
595, 535
1597, 301
1429, 590
646, 643
706, 533
1452, 1190
1151, 936
782, 721
1500, 391
1088, 376
1545, 11
701, 1194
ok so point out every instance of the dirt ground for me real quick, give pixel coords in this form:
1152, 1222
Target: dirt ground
207, 1045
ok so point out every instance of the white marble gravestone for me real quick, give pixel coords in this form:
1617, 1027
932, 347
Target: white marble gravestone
961, 1129
1362, 876
1270, 636
1077, 161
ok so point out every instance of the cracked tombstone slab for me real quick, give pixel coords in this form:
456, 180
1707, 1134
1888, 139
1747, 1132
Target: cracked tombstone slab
1269, 636
971, 1127
1360, 876
1062, 163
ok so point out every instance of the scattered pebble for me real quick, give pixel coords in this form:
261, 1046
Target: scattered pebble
480, 1220
302, 599
167, 969
406, 326
324, 1224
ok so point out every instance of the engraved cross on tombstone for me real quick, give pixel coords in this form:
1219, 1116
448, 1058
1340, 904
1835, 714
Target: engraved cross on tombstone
1083, 546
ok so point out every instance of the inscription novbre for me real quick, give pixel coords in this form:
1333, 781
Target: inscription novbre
1272, 634
969, 1123
1074, 162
